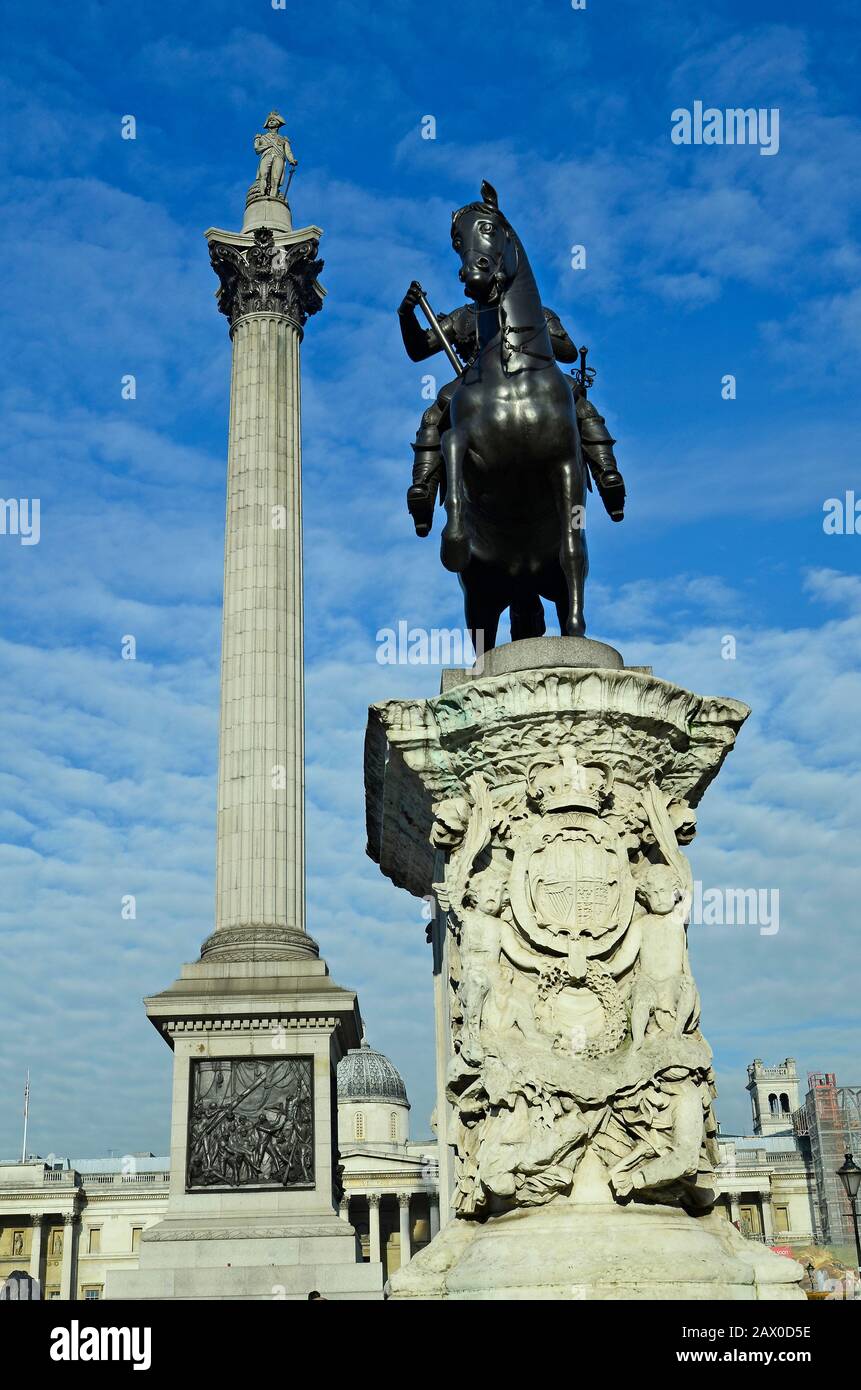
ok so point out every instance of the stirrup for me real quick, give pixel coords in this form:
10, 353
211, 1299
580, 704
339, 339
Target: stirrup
420, 504
611, 487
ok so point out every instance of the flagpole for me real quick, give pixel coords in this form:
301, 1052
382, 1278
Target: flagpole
26, 1114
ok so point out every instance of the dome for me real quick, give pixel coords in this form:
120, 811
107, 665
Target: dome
367, 1075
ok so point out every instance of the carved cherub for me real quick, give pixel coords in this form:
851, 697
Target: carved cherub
663, 986
479, 935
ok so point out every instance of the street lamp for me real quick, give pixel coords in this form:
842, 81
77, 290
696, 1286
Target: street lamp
850, 1176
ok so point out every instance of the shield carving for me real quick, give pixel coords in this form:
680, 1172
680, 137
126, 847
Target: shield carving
571, 887
570, 877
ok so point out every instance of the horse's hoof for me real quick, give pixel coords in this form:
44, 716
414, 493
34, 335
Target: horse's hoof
454, 552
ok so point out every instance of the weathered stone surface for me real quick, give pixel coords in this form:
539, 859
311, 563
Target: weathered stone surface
534, 653
546, 811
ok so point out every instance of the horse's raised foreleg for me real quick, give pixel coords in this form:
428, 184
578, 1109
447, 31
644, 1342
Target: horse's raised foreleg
570, 494
454, 545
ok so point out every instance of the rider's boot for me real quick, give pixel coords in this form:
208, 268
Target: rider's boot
427, 471
421, 495
598, 451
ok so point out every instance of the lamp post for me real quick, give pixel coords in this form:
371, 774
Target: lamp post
850, 1176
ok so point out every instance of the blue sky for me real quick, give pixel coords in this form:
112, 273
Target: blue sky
701, 261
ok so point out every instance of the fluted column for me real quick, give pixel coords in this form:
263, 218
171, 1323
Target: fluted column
374, 1227
268, 289
434, 1217
36, 1243
69, 1263
404, 1214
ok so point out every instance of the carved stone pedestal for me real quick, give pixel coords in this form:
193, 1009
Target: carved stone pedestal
545, 809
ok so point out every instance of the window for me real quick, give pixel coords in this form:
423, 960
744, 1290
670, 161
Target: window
750, 1222
772, 1104
360, 1124
784, 1103
781, 1218
94, 1240
136, 1237
91, 1292
393, 1126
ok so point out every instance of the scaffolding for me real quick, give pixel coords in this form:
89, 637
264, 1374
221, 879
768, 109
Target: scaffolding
831, 1121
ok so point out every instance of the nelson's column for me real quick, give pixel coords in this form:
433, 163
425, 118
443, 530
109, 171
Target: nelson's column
256, 1025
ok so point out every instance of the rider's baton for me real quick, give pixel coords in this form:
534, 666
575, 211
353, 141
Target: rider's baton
584, 379
435, 325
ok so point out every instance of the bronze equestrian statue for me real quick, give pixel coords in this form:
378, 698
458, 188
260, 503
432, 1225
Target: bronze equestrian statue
504, 443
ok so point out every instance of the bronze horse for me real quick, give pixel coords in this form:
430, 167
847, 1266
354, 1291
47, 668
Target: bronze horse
515, 477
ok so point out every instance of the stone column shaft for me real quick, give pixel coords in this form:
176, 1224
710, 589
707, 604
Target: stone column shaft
69, 1265
374, 1227
404, 1214
767, 1218
36, 1243
267, 291
434, 1217
260, 876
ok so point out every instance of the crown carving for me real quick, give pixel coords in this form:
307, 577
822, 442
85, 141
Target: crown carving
564, 784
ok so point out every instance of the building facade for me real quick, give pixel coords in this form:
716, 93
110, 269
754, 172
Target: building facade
390, 1183
68, 1222
780, 1183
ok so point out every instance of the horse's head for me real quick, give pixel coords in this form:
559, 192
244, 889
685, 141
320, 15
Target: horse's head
483, 238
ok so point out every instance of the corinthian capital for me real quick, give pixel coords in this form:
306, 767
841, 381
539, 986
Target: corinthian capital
263, 277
